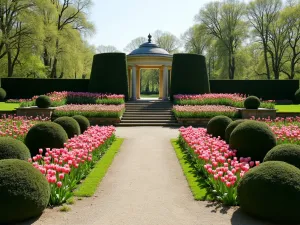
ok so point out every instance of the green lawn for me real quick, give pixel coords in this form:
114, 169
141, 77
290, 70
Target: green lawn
8, 106
288, 108
149, 96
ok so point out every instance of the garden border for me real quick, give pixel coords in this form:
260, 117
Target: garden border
200, 194
90, 184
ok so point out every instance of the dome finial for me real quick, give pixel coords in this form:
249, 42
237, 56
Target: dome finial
149, 38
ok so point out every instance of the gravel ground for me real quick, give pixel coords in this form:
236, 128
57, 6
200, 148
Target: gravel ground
144, 186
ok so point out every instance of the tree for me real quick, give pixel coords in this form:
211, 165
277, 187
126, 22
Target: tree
290, 16
261, 15
71, 15
224, 21
134, 44
167, 41
106, 48
195, 39
19, 26
277, 46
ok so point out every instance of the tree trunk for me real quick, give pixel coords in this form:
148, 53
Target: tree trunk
266, 61
9, 64
53, 71
54, 66
232, 67
46, 57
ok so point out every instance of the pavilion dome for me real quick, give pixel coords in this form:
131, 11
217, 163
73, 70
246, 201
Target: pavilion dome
148, 49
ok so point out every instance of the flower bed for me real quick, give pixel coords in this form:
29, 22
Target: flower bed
214, 160
204, 111
17, 127
107, 111
67, 97
287, 130
234, 100
64, 168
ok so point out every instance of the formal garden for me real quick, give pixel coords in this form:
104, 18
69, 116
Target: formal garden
250, 160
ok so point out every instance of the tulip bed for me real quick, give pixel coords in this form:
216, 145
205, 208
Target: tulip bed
109, 111
64, 168
67, 97
214, 161
17, 127
204, 111
234, 100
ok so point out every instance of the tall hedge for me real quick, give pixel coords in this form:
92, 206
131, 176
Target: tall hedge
189, 74
29, 87
109, 74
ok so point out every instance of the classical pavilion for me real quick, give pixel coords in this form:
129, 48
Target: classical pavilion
149, 56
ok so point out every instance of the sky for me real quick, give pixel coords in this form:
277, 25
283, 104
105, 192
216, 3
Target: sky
117, 22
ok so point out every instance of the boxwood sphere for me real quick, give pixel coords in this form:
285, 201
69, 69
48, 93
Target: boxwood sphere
24, 191
297, 96
271, 191
230, 128
11, 148
252, 102
217, 126
45, 135
2, 94
83, 122
252, 139
69, 124
43, 101
289, 153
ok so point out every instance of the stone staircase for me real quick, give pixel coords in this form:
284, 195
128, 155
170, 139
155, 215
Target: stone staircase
148, 113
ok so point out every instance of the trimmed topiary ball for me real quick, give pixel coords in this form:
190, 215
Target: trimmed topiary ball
11, 148
2, 94
230, 128
271, 191
45, 135
24, 191
297, 96
252, 102
217, 126
83, 122
289, 153
252, 139
69, 124
43, 101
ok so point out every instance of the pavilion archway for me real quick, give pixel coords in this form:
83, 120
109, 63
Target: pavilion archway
149, 56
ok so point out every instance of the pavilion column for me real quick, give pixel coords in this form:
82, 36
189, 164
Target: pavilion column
133, 86
129, 83
165, 83
161, 71
138, 83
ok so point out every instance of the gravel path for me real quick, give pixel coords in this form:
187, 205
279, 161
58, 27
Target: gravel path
144, 186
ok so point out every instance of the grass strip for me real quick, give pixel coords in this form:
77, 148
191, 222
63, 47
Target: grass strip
196, 184
8, 106
288, 108
88, 187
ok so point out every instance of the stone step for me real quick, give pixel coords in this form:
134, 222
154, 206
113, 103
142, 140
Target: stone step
148, 118
133, 124
148, 121
148, 110
149, 106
